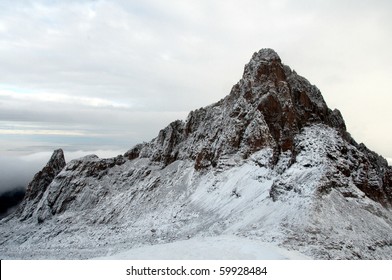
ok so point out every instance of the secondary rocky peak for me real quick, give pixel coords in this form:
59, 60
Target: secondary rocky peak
57, 160
40, 183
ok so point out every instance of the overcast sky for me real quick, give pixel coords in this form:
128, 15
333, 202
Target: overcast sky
105, 75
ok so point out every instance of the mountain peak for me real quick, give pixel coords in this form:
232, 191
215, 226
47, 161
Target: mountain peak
269, 161
265, 54
263, 65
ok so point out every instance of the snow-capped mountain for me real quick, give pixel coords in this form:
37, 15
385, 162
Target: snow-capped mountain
270, 163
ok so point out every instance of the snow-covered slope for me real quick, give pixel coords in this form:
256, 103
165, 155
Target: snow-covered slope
269, 163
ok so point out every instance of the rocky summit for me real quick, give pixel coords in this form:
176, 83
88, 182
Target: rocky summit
270, 162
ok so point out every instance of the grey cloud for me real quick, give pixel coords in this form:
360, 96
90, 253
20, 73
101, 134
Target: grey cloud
114, 53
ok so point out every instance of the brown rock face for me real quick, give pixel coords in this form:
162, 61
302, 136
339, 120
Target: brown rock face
288, 102
374, 176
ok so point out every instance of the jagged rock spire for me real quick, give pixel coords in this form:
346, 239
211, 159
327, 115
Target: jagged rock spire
40, 183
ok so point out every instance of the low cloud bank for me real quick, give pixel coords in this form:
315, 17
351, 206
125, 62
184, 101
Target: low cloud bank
17, 171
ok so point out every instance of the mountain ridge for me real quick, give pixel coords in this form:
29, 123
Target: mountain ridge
270, 162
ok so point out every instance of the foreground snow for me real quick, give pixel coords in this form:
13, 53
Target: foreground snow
213, 248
